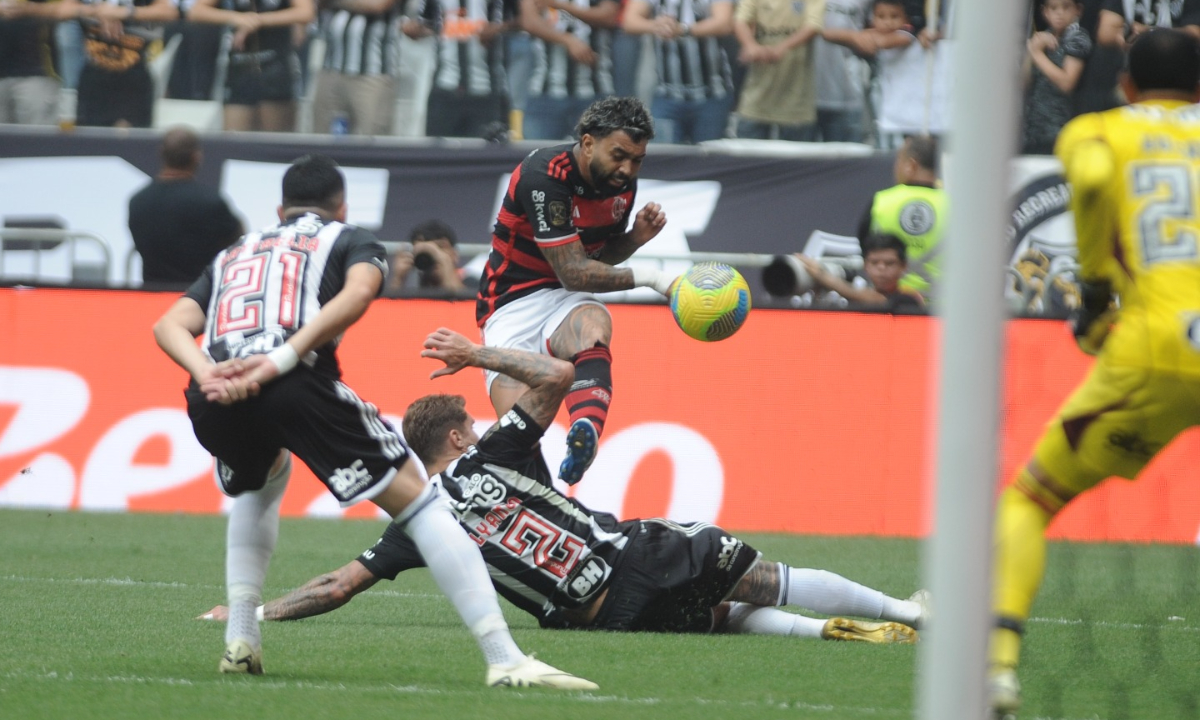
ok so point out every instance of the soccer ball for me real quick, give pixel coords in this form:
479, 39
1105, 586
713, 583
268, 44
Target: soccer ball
710, 301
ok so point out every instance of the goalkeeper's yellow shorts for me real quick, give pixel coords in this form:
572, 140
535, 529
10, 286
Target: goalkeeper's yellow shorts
1114, 423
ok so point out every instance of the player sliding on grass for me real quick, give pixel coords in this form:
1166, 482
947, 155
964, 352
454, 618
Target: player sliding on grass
561, 228
265, 384
576, 568
1134, 174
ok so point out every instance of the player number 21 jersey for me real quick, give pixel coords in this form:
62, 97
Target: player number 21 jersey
262, 289
1141, 228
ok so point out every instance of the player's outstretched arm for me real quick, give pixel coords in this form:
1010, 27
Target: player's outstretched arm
548, 378
316, 597
647, 224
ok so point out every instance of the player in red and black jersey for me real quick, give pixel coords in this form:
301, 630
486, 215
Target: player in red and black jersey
572, 567
561, 229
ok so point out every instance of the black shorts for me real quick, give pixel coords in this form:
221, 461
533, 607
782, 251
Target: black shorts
105, 98
343, 440
251, 82
671, 576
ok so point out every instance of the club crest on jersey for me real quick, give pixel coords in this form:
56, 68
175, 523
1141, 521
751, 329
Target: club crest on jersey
556, 212
619, 205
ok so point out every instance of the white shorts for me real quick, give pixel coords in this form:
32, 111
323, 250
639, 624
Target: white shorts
527, 323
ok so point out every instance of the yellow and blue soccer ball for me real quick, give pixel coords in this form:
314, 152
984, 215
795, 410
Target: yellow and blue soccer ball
710, 301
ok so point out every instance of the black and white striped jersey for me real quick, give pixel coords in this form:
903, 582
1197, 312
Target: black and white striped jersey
263, 288
556, 74
361, 44
545, 552
691, 68
464, 64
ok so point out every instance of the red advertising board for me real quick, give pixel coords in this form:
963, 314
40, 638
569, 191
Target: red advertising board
804, 422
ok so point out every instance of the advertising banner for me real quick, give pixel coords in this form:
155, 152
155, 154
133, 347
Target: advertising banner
803, 422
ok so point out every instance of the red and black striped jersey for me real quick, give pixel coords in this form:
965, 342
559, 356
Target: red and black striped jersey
548, 203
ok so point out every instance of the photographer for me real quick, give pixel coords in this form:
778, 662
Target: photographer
432, 253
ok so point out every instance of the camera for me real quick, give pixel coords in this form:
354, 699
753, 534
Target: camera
423, 260
786, 276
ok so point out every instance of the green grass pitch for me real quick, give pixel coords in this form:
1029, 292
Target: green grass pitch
96, 621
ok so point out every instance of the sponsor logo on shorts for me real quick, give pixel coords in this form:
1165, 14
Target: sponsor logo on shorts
586, 578
350, 481
369, 554
730, 549
1133, 444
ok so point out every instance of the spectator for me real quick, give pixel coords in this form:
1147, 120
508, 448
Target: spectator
194, 69
841, 76
913, 210
115, 89
626, 58
28, 86
1097, 88
178, 225
260, 82
885, 261
433, 252
1053, 66
779, 93
358, 79
694, 95
1123, 20
908, 104
518, 67
572, 66
469, 96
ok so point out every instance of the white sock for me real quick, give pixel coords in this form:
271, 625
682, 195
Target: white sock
828, 593
249, 542
748, 619
460, 573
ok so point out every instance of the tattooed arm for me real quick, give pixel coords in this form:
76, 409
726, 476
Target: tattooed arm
316, 597
576, 271
548, 378
760, 586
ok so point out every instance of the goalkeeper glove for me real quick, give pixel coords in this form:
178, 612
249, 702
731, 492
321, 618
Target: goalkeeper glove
1092, 320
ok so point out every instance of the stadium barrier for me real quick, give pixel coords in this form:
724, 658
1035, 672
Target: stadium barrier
813, 422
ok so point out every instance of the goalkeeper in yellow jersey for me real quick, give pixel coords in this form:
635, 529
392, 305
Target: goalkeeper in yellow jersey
1135, 178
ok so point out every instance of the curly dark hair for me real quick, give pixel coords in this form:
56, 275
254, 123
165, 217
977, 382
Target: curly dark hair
608, 115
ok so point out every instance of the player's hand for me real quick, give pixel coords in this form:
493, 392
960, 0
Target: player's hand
928, 37
648, 224
451, 348
1091, 322
225, 384
220, 613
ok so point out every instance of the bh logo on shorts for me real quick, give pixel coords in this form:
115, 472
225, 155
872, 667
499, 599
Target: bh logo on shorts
730, 547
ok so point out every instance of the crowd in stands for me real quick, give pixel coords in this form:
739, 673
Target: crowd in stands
806, 70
